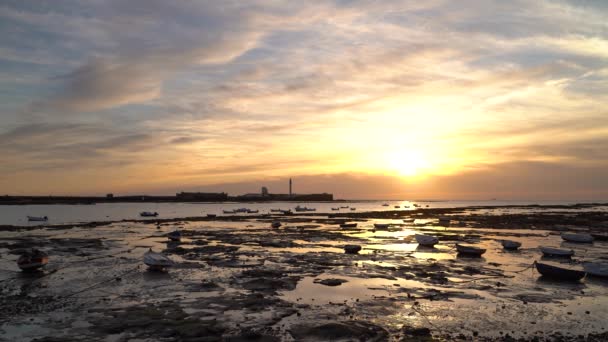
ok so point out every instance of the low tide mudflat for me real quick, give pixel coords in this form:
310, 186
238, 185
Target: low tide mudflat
240, 280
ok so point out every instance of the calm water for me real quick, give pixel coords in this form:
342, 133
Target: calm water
60, 213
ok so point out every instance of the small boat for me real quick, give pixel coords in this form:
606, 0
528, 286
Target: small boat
348, 225
300, 209
556, 252
175, 235
385, 205
381, 225
597, 269
228, 211
409, 220
32, 260
510, 244
286, 212
275, 210
275, 224
249, 211
38, 218
580, 237
397, 207
600, 236
241, 210
444, 221
559, 271
211, 215
469, 249
344, 207
335, 208
426, 240
157, 261
148, 214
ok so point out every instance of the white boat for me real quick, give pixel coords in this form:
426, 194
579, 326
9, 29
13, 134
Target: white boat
275, 224
469, 249
175, 235
157, 261
556, 252
426, 240
32, 260
38, 218
598, 269
148, 214
580, 237
510, 244
381, 225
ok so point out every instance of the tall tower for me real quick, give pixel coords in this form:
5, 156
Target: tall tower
290, 187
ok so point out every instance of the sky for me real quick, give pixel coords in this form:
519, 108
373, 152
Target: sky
365, 99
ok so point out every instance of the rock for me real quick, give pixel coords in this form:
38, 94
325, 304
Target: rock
352, 249
340, 331
410, 332
330, 281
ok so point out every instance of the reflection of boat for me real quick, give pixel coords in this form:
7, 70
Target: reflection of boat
348, 225
581, 237
556, 252
426, 240
598, 269
157, 261
175, 235
32, 259
510, 244
559, 271
469, 249
38, 218
275, 224
148, 214
381, 225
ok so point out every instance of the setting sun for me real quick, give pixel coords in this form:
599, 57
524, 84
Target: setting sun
409, 163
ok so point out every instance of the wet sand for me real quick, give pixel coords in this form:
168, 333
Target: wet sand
237, 279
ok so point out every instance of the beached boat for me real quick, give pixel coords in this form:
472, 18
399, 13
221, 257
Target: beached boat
38, 218
348, 225
157, 261
211, 215
597, 269
148, 214
510, 244
32, 260
275, 224
228, 211
577, 237
175, 235
426, 240
469, 249
556, 252
381, 225
559, 271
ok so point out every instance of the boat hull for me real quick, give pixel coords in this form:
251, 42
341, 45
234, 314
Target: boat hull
578, 238
556, 252
28, 264
561, 273
425, 240
510, 245
470, 250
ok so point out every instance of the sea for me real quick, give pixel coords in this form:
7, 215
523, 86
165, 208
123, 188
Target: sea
16, 215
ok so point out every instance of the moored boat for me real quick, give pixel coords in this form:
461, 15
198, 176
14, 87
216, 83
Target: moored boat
157, 261
510, 244
348, 225
381, 225
211, 215
469, 249
175, 235
556, 252
597, 269
397, 207
353, 208
559, 271
148, 214
32, 260
250, 211
385, 205
275, 224
426, 240
335, 209
38, 218
577, 237
228, 211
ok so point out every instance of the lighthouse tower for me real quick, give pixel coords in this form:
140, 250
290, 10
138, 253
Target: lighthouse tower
290, 194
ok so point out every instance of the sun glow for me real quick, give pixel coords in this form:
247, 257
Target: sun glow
409, 163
